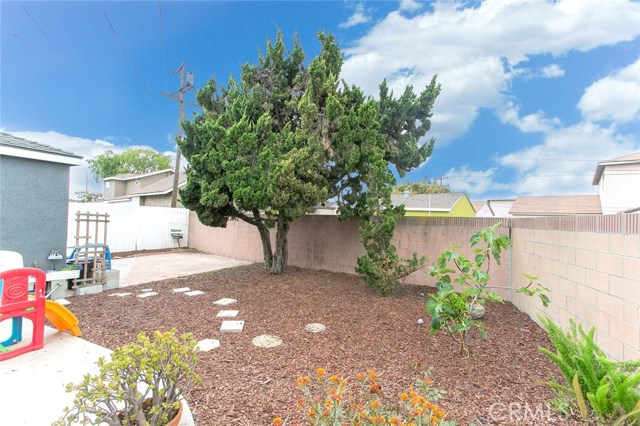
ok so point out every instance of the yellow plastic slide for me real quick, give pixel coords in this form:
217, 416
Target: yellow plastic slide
61, 318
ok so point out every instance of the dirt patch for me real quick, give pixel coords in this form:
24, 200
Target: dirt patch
246, 385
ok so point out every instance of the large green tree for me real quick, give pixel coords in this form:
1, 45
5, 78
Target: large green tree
425, 186
271, 146
136, 160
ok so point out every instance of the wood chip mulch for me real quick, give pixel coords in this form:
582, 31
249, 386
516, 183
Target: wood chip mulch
246, 385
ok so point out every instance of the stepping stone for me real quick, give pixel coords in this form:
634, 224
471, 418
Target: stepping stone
181, 289
148, 294
63, 302
232, 326
194, 293
119, 294
207, 344
315, 327
266, 341
224, 302
146, 290
227, 314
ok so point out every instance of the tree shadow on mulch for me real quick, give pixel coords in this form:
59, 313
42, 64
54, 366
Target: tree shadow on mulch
246, 385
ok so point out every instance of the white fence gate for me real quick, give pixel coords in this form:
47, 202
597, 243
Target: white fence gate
134, 227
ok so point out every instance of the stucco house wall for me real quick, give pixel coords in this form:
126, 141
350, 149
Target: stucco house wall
34, 200
615, 188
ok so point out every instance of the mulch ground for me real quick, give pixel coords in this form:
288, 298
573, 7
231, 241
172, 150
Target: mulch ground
249, 386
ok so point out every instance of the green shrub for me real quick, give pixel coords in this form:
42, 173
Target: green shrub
140, 385
453, 309
609, 388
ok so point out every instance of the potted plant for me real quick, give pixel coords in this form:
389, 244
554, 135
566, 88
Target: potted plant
140, 385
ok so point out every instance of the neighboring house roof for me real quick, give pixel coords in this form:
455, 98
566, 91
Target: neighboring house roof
556, 205
428, 202
131, 176
160, 187
627, 159
477, 205
14, 146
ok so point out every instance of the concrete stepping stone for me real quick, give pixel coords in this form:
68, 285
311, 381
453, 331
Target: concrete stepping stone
194, 293
208, 344
119, 294
227, 314
63, 302
224, 302
315, 327
232, 326
146, 290
148, 294
266, 341
181, 289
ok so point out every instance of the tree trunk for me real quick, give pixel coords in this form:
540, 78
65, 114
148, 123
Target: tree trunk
279, 264
265, 237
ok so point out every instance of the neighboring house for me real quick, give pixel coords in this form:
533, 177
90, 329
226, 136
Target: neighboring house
493, 208
34, 199
149, 189
557, 205
450, 204
125, 184
618, 182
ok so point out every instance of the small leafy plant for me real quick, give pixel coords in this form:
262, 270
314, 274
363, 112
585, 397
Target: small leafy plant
457, 310
594, 385
139, 386
330, 400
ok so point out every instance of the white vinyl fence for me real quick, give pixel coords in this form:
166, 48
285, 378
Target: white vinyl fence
132, 227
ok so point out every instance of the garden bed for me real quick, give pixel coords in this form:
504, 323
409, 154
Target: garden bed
246, 385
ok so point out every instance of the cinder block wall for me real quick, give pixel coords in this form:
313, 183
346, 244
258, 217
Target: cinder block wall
324, 242
592, 266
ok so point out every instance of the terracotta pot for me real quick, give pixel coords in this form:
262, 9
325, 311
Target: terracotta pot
176, 419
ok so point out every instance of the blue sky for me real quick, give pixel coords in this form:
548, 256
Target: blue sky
534, 93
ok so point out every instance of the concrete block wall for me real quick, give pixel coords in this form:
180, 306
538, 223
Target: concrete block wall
592, 267
324, 242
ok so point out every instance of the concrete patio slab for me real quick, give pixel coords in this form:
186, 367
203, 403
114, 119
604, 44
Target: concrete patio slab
148, 268
33, 384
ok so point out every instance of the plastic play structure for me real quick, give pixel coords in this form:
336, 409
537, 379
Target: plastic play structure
16, 303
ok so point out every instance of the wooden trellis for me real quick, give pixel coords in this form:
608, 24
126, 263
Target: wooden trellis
91, 247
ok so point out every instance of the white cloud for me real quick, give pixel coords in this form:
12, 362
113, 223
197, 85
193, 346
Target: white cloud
473, 182
615, 97
409, 5
566, 160
553, 71
80, 176
476, 51
536, 122
359, 16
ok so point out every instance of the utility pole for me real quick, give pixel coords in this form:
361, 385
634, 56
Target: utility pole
186, 84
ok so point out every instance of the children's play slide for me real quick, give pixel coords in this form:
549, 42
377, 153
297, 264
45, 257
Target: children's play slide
61, 318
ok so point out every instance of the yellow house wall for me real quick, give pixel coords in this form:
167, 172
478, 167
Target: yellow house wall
462, 208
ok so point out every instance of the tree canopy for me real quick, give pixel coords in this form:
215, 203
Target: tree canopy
286, 137
426, 186
137, 160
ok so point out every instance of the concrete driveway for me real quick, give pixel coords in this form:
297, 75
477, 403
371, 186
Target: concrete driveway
154, 267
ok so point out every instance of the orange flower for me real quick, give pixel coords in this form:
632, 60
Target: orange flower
335, 379
277, 421
359, 377
375, 388
375, 403
372, 374
320, 372
404, 396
